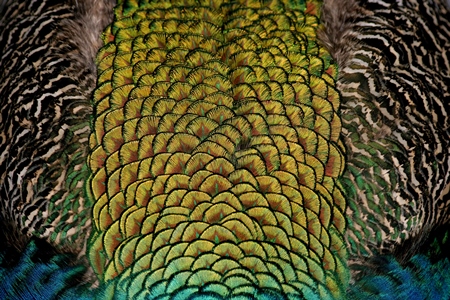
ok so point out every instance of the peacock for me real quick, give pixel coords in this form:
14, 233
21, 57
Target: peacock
236, 149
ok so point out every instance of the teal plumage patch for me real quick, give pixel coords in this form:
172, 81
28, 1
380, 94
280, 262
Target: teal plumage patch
418, 279
39, 273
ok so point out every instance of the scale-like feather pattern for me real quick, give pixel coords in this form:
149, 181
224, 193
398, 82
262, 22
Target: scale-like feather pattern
215, 152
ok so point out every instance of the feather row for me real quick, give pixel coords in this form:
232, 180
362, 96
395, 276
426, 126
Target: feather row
215, 152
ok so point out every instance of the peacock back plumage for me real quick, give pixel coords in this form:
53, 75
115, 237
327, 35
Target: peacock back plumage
215, 152
227, 150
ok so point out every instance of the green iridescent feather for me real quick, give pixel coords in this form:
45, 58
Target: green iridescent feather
215, 152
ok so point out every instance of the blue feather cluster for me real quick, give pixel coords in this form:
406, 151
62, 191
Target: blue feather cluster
34, 277
419, 279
